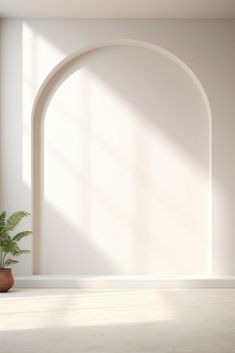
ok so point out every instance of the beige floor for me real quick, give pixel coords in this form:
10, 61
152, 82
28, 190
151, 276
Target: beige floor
117, 321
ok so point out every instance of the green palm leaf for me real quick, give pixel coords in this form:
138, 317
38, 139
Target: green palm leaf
19, 252
14, 220
9, 244
6, 243
10, 262
14, 249
24, 251
21, 235
2, 218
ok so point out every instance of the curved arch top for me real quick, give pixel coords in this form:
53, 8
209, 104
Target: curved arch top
43, 98
48, 84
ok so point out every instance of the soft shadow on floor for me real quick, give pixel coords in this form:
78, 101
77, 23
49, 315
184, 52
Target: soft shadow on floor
149, 320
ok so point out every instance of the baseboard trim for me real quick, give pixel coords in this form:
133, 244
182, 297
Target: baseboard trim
109, 282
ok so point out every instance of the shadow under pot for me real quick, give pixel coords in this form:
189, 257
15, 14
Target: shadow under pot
6, 279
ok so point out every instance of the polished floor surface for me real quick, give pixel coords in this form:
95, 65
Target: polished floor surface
117, 321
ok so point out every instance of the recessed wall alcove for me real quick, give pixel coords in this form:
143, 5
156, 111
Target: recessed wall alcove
122, 160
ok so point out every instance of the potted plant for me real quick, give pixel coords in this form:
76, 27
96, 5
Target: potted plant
9, 247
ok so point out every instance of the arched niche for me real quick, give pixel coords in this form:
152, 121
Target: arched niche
184, 137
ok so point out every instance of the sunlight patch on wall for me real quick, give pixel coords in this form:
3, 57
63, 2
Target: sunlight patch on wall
126, 181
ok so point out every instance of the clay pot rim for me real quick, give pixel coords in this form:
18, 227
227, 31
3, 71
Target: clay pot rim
5, 269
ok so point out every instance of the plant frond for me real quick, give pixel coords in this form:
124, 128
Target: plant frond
21, 235
9, 244
2, 218
16, 251
24, 251
14, 220
5, 242
10, 262
4, 237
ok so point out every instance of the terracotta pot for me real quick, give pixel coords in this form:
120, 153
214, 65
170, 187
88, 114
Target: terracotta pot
6, 279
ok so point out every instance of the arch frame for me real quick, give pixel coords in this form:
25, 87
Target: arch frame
42, 101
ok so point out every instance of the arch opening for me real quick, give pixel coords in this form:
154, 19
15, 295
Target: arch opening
43, 101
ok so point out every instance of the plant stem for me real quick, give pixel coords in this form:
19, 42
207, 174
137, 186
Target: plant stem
1, 260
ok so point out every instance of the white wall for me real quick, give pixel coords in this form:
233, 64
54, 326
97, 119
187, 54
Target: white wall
30, 49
